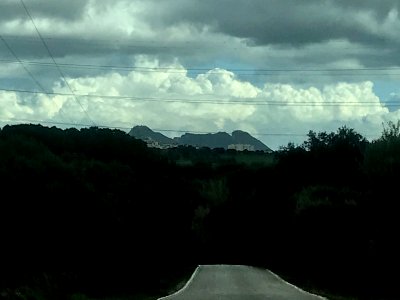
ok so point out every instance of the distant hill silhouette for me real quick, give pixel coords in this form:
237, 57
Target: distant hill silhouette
145, 133
243, 137
210, 140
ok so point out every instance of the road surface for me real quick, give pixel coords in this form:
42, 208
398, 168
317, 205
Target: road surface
223, 282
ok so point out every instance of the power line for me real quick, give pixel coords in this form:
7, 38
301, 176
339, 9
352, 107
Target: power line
64, 123
155, 129
22, 64
55, 63
25, 68
136, 43
251, 72
252, 101
158, 129
212, 132
111, 43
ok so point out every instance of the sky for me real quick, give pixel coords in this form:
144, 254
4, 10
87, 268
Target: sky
274, 68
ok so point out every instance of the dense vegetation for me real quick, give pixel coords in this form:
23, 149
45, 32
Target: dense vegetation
95, 212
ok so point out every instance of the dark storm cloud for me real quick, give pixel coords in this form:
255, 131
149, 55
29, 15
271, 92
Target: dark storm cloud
379, 7
261, 22
64, 10
296, 30
286, 21
86, 37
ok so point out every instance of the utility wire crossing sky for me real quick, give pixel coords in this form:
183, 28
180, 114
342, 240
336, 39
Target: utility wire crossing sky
276, 69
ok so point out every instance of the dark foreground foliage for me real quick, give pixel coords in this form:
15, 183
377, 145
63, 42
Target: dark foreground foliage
95, 212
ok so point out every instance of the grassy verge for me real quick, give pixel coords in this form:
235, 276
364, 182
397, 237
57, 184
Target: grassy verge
176, 282
34, 290
135, 297
310, 287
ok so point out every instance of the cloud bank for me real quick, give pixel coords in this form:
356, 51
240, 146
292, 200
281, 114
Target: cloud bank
278, 66
216, 100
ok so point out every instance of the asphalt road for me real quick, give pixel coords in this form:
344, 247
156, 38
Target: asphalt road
223, 282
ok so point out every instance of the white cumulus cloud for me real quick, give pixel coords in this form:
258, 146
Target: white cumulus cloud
212, 101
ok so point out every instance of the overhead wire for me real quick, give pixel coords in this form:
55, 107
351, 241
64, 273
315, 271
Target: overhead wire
30, 74
212, 70
22, 64
251, 72
158, 129
129, 43
188, 44
224, 101
55, 63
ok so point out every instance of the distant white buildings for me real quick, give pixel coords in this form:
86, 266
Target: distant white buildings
154, 144
241, 147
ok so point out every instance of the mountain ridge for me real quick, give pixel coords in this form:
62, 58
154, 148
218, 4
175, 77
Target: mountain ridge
146, 134
239, 140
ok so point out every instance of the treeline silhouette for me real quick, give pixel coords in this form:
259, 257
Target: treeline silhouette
94, 211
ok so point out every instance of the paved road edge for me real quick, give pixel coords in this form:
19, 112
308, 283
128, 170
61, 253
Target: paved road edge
185, 286
275, 275
296, 287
